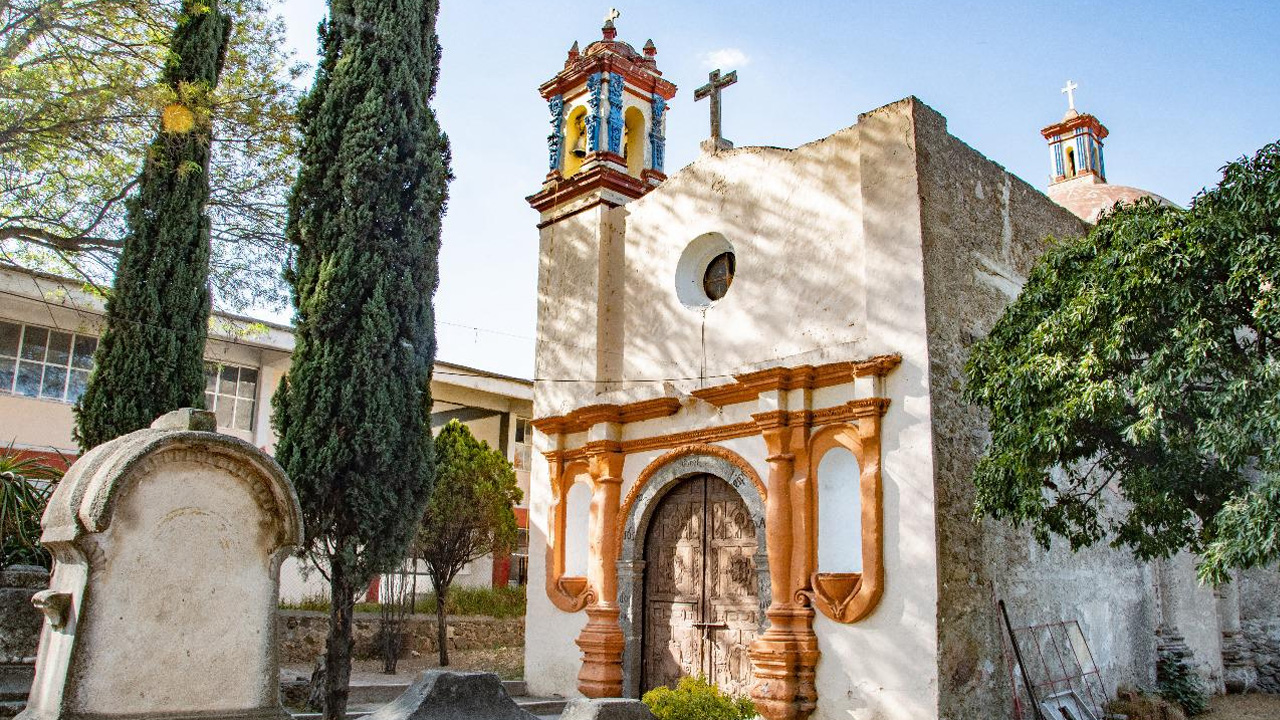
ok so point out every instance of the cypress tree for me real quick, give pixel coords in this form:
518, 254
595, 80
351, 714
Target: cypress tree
364, 217
149, 360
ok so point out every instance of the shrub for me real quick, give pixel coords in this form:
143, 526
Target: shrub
1179, 685
697, 699
25, 486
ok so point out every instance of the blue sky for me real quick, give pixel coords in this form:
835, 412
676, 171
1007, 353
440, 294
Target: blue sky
1182, 86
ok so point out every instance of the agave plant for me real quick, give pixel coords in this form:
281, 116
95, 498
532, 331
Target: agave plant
26, 483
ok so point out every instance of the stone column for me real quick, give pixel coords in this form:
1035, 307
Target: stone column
785, 656
601, 640
1240, 675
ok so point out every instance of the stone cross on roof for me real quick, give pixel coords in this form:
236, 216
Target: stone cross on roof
712, 90
1070, 90
612, 15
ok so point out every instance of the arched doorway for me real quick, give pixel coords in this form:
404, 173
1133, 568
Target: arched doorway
701, 605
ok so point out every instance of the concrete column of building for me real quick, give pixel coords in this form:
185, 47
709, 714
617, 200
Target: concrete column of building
784, 658
601, 640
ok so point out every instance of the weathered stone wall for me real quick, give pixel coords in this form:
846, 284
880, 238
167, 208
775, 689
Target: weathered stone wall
1260, 623
983, 230
301, 634
20, 625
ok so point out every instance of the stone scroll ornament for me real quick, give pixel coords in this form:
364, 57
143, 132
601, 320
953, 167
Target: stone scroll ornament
593, 110
657, 139
615, 113
163, 601
555, 141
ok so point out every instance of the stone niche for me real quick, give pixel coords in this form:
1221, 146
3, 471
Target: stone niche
162, 603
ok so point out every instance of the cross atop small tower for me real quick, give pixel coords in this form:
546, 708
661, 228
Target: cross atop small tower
1070, 90
712, 89
1075, 144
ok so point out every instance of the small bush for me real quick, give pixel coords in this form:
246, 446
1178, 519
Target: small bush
502, 602
697, 699
1179, 685
26, 485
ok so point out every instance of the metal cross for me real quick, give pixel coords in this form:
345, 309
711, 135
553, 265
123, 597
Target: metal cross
712, 89
612, 15
1070, 90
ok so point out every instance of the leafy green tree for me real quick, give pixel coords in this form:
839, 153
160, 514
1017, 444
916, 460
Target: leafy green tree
353, 412
1134, 385
79, 107
468, 516
150, 359
25, 486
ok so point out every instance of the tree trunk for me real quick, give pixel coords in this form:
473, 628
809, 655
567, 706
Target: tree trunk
442, 630
338, 649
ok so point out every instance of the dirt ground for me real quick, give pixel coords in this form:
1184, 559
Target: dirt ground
1243, 707
507, 662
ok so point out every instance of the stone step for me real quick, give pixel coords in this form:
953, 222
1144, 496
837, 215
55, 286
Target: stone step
538, 706
364, 692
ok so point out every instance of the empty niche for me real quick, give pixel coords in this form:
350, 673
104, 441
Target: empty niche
576, 527
839, 513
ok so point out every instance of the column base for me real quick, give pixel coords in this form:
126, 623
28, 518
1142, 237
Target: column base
784, 660
602, 643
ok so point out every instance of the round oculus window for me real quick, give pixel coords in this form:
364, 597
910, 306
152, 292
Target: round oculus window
718, 276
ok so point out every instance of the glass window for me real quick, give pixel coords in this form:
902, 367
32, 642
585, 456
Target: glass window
10, 335
718, 276
524, 444
231, 391
44, 363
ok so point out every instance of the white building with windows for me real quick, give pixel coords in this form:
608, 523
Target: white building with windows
49, 329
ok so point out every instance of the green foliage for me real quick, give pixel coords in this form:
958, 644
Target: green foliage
498, 602
352, 414
26, 484
697, 699
79, 107
470, 511
150, 359
1134, 385
1178, 684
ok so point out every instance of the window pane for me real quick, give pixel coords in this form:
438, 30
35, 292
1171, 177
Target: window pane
521, 429
228, 379
225, 411
210, 401
59, 348
75, 387
9, 336
33, 343
248, 383
244, 415
83, 356
210, 379
28, 382
55, 382
7, 366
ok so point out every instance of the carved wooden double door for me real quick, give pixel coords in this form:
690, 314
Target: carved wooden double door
701, 606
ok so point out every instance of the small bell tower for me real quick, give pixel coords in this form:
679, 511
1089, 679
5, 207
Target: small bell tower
608, 124
1075, 144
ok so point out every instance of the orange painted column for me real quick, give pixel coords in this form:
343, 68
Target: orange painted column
601, 640
783, 659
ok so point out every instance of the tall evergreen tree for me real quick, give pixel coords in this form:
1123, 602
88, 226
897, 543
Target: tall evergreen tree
353, 412
150, 358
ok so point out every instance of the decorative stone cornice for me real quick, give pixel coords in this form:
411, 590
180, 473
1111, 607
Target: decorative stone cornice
748, 386
583, 418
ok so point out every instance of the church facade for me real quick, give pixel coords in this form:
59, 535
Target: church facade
748, 399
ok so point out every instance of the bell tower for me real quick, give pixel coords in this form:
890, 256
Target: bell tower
608, 124
1075, 145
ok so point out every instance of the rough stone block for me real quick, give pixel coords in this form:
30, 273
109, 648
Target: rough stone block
606, 709
445, 695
